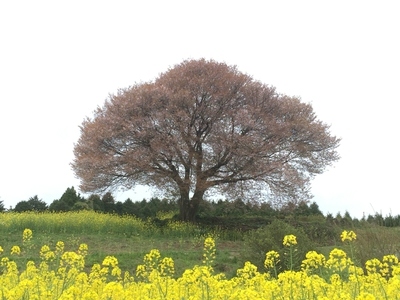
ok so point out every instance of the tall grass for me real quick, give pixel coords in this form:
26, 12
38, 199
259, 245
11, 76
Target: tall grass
377, 241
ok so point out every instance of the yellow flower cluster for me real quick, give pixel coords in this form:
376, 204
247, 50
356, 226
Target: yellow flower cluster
289, 240
26, 235
166, 267
111, 261
150, 264
338, 260
249, 271
271, 259
313, 262
72, 260
15, 250
388, 267
83, 250
271, 262
348, 236
46, 254
59, 247
154, 279
209, 251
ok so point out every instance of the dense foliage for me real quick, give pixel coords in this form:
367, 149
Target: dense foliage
270, 238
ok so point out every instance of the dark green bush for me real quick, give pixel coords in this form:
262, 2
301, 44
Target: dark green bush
318, 229
259, 242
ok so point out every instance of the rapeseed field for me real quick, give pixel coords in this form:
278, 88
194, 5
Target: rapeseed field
60, 274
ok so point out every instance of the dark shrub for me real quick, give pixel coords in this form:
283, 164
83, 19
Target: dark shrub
259, 242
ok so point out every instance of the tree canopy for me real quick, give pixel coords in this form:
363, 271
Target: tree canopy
32, 204
70, 200
204, 126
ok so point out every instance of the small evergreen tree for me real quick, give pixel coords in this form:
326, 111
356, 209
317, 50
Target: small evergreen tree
33, 204
95, 203
58, 206
69, 197
128, 207
22, 206
37, 204
302, 209
108, 202
119, 207
314, 209
67, 201
2, 208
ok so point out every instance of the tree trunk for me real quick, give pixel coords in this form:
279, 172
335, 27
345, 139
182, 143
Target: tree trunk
188, 207
184, 204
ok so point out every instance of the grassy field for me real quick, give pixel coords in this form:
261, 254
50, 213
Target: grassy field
126, 238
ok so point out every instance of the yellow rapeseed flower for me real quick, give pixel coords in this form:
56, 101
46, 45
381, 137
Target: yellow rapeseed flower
249, 271
389, 263
271, 259
209, 251
83, 249
59, 247
4, 261
15, 250
313, 261
373, 266
46, 254
338, 261
151, 259
116, 271
348, 236
72, 260
26, 235
289, 240
43, 250
166, 267
110, 261
141, 271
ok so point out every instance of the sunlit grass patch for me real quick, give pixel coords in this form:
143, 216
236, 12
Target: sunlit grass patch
79, 222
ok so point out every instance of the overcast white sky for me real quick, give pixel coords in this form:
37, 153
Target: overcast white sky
59, 60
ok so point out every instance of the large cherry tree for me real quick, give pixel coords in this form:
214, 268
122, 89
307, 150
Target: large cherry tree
204, 126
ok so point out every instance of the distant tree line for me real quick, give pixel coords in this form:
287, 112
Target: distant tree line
73, 201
